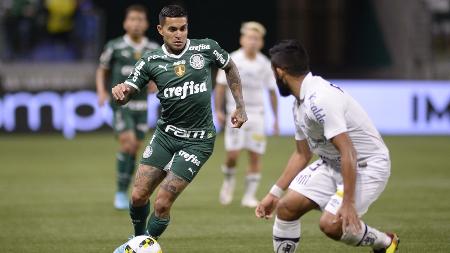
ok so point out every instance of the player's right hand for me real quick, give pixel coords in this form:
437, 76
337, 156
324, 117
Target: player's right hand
266, 207
120, 91
238, 117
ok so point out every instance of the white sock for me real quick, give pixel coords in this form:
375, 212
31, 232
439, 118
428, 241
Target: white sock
286, 235
367, 236
251, 184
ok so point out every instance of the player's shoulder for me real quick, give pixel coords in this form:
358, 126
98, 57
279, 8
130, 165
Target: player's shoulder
116, 43
322, 93
150, 45
153, 54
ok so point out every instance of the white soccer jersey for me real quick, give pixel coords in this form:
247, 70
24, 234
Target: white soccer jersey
256, 77
325, 111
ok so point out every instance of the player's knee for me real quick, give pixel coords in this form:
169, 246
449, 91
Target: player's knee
284, 212
330, 228
231, 160
162, 207
139, 198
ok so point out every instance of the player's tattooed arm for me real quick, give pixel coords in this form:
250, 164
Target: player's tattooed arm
239, 116
122, 93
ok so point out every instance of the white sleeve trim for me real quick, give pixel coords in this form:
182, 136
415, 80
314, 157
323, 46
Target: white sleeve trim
133, 85
226, 63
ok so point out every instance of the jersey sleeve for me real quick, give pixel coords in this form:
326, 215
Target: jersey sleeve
140, 76
221, 79
106, 56
330, 113
219, 56
299, 135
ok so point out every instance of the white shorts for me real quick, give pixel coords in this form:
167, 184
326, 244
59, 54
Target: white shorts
250, 136
323, 184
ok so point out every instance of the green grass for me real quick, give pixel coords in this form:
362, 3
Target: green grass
56, 196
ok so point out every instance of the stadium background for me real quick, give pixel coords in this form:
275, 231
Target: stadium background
55, 194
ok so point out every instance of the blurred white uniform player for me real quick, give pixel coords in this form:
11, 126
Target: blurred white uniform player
257, 78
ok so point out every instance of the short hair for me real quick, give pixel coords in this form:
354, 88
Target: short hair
254, 26
290, 56
137, 8
171, 11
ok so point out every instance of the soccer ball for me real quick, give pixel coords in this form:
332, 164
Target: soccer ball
143, 244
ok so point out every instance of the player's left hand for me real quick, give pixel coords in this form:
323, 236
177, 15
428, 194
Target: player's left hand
350, 220
238, 117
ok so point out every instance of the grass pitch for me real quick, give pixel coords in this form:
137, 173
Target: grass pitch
56, 196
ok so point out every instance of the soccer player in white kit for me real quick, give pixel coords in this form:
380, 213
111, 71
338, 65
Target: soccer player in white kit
257, 78
351, 172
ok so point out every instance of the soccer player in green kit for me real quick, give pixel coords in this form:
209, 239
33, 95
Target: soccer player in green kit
185, 132
130, 121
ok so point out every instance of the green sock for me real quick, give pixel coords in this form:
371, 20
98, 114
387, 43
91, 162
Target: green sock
123, 168
138, 216
156, 225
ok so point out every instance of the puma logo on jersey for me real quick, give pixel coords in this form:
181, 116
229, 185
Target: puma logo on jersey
163, 67
187, 89
192, 171
189, 158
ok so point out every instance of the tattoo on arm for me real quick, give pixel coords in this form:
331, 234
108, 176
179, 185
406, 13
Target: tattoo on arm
234, 82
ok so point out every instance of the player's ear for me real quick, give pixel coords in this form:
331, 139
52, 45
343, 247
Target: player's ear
279, 71
160, 29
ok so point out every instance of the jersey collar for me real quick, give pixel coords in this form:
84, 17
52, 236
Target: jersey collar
136, 46
304, 87
177, 56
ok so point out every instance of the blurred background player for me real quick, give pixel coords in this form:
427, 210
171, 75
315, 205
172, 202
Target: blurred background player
257, 78
130, 121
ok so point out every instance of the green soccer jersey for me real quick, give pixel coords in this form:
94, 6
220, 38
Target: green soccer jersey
119, 56
184, 86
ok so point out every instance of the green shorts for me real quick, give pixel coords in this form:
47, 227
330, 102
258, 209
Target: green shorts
126, 120
188, 156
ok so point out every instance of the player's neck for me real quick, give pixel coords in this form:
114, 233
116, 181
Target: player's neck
175, 52
295, 84
135, 39
250, 55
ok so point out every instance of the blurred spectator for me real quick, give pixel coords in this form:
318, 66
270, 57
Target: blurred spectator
19, 26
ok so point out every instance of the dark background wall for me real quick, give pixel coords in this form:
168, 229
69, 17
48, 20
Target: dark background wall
219, 20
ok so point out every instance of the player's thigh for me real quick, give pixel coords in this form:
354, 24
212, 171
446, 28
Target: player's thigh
190, 158
234, 138
294, 205
159, 151
122, 120
140, 124
371, 179
255, 138
316, 183
147, 178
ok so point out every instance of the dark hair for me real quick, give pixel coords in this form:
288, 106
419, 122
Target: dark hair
171, 11
137, 8
290, 56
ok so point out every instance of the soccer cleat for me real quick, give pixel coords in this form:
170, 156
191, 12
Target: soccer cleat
392, 247
248, 201
121, 201
227, 190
